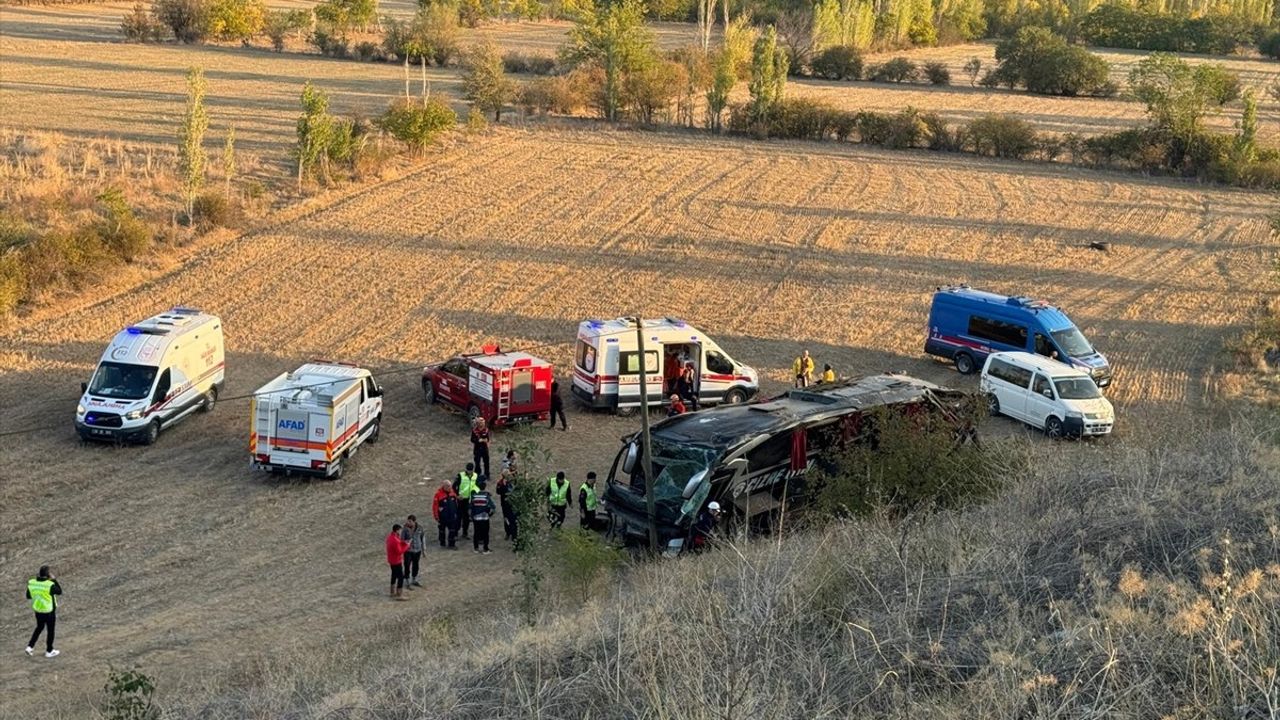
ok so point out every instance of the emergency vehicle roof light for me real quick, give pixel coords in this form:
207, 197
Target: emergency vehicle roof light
490, 349
134, 331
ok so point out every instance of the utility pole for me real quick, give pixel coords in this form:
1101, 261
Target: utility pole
646, 460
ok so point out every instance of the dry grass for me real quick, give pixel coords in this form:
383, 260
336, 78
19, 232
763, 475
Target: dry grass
1143, 584
179, 558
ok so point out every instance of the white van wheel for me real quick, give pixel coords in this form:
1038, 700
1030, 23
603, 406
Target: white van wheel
993, 405
626, 411
965, 364
152, 434
336, 470
735, 396
1053, 427
210, 399
376, 431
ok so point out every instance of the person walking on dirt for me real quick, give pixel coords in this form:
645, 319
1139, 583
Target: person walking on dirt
686, 386
412, 532
676, 407
828, 375
396, 548
444, 507
480, 447
802, 368
505, 488
42, 591
587, 503
557, 407
558, 498
481, 510
465, 485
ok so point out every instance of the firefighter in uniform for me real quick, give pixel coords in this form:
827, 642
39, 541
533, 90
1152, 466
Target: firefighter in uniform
465, 485
558, 498
588, 502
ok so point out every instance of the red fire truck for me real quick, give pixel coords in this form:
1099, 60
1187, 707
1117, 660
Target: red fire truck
504, 388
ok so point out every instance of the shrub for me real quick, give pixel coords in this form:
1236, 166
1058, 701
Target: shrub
518, 62
897, 70
1045, 64
187, 19
802, 119
484, 82
1119, 26
937, 73
13, 279
343, 16
1269, 45
329, 44
121, 231
416, 123
236, 19
1002, 136
279, 25
583, 561
367, 51
839, 62
561, 94
211, 210
139, 26
941, 137
129, 695
440, 32
973, 68
651, 90
899, 131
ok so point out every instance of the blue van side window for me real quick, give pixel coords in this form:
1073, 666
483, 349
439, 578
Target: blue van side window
998, 331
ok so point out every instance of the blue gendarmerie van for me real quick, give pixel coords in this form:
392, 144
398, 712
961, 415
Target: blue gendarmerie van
966, 325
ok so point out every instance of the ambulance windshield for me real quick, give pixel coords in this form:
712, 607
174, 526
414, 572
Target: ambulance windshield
122, 381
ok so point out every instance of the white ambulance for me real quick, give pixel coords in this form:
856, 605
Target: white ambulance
313, 419
152, 375
606, 371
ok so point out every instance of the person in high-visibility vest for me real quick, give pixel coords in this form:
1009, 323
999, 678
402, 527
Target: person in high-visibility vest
558, 498
42, 591
802, 368
588, 502
465, 485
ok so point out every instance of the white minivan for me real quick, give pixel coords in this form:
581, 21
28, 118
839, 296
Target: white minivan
1062, 400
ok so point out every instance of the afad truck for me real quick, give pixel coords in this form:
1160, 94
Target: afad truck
152, 375
312, 420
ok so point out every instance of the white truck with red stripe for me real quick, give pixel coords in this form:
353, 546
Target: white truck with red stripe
312, 420
152, 375
606, 372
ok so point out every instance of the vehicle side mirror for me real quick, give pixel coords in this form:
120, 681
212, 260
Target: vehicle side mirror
1047, 393
629, 462
691, 487
84, 388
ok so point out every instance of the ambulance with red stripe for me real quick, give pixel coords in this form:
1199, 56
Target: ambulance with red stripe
312, 420
606, 372
152, 375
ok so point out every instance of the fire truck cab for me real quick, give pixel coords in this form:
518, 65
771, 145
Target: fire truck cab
505, 388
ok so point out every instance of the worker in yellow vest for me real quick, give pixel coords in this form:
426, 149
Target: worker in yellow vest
42, 591
587, 503
558, 498
465, 486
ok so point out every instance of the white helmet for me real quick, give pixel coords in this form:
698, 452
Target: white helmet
714, 506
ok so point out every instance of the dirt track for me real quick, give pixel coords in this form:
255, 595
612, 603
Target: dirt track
180, 558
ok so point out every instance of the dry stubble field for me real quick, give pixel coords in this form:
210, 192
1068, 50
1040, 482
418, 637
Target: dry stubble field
179, 558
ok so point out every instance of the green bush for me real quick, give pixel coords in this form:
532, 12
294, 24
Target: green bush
140, 26
236, 19
212, 209
187, 19
583, 561
942, 137
937, 73
1045, 64
368, 51
907, 463
1002, 136
330, 44
280, 25
1120, 26
560, 94
897, 70
129, 695
418, 124
801, 119
839, 62
899, 131
1269, 45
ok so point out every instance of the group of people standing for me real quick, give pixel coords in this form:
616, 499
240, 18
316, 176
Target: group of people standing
464, 507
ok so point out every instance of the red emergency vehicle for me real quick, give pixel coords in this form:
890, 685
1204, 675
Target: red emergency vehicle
504, 388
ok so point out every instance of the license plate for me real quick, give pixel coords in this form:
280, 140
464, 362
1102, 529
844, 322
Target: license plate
100, 432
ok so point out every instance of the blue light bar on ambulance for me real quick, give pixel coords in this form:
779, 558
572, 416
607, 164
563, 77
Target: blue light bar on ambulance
133, 331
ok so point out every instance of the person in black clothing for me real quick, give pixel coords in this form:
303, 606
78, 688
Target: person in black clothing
480, 447
587, 503
42, 591
445, 509
505, 488
557, 407
686, 386
705, 526
481, 510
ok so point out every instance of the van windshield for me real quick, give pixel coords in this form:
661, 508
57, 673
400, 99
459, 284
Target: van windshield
122, 381
1072, 342
1077, 389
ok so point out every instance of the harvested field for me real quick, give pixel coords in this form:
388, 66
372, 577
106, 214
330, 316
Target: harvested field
180, 558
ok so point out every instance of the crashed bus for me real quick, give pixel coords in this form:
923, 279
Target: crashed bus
752, 458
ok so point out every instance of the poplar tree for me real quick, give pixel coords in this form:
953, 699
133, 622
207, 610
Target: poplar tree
192, 159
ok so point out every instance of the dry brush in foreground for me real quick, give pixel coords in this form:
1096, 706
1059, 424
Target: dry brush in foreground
1145, 586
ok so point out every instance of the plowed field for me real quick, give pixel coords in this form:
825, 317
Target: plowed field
180, 558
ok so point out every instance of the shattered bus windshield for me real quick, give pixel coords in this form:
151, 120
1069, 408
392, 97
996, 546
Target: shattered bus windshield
674, 465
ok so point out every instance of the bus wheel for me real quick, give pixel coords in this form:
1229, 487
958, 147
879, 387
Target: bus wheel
965, 364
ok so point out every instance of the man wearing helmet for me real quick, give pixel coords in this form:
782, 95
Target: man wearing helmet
705, 526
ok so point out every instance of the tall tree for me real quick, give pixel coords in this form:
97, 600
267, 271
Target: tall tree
229, 159
192, 159
315, 130
768, 75
614, 37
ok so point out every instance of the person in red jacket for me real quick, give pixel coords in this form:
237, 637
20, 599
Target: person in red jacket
396, 548
446, 511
